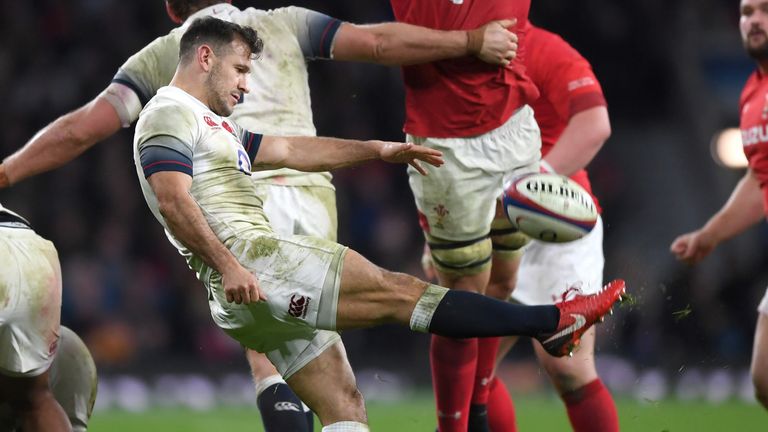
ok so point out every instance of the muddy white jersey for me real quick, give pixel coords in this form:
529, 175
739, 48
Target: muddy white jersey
279, 101
216, 152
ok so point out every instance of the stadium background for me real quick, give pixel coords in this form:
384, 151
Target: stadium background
671, 72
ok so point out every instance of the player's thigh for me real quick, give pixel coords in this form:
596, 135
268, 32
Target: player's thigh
30, 302
301, 210
300, 277
327, 385
571, 373
456, 206
547, 270
73, 379
455, 202
370, 295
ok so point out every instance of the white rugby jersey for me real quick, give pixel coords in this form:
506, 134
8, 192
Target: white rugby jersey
215, 151
279, 101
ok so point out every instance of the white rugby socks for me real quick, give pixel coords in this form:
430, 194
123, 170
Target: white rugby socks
268, 382
346, 426
425, 308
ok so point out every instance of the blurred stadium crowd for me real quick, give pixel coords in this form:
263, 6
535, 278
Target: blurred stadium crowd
671, 72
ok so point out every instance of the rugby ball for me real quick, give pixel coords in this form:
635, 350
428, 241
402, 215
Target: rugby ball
549, 207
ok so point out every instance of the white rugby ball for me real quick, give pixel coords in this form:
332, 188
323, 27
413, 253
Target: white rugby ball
549, 207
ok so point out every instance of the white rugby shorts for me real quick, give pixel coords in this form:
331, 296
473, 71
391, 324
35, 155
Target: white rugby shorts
547, 270
30, 302
302, 210
300, 277
458, 200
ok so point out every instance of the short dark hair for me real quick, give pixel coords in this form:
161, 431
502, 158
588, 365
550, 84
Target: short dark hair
218, 34
184, 8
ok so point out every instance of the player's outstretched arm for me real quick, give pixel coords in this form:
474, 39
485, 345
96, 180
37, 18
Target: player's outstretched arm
323, 154
61, 141
187, 223
580, 141
743, 209
404, 44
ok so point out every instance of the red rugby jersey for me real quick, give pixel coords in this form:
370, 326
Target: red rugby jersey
463, 97
567, 85
753, 107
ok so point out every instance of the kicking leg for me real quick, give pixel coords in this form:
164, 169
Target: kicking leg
328, 386
370, 296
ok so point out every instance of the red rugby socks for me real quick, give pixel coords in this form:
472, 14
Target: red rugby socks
454, 362
591, 408
501, 410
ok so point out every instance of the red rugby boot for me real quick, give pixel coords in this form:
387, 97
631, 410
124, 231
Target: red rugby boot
577, 315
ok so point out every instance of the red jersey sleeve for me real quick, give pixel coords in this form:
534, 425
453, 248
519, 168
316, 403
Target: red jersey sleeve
563, 76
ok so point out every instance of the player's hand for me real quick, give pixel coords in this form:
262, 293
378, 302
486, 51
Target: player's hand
427, 265
411, 154
693, 247
498, 46
241, 286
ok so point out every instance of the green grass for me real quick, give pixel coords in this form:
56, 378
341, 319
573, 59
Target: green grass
416, 415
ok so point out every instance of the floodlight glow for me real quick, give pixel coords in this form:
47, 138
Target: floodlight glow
727, 149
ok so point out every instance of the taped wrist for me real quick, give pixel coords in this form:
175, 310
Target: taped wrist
475, 40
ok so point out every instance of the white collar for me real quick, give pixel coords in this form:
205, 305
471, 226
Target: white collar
208, 11
178, 92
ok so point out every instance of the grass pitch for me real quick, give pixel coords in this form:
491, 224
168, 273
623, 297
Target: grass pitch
417, 415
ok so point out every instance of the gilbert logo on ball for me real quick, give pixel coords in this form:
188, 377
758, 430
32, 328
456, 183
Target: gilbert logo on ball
549, 207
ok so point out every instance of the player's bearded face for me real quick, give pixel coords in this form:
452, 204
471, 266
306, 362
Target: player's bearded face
756, 43
753, 25
219, 91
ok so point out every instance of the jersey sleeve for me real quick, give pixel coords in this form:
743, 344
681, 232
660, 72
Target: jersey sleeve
570, 83
165, 139
315, 31
151, 68
251, 140
165, 153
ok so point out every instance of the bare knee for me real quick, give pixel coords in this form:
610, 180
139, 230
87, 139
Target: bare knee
398, 295
346, 404
566, 380
356, 403
569, 373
